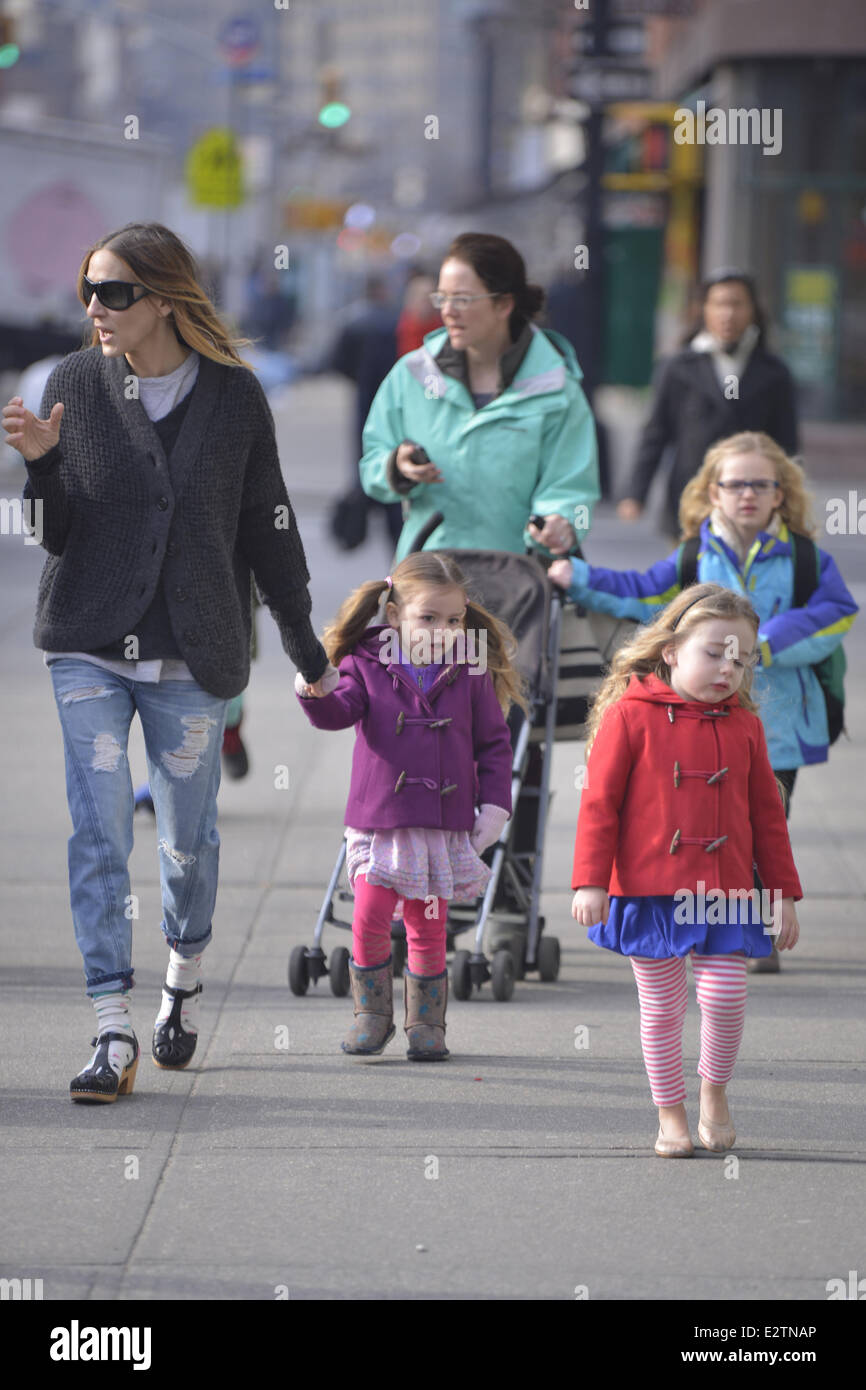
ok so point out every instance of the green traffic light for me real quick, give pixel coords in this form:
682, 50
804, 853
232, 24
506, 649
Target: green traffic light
9, 55
334, 115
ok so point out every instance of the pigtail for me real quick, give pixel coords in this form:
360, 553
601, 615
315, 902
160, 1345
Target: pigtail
345, 632
501, 650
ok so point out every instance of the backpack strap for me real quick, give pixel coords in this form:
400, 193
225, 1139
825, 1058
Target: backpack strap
687, 561
806, 568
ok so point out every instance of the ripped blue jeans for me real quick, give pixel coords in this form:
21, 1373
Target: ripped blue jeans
183, 730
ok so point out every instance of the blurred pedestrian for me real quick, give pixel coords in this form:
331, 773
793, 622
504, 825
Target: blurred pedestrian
413, 836
722, 382
364, 351
417, 316
158, 480
487, 422
679, 800
745, 519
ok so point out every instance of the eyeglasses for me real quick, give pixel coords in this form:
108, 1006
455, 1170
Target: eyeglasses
458, 301
756, 484
114, 294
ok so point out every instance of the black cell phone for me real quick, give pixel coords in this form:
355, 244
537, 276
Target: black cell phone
537, 521
420, 455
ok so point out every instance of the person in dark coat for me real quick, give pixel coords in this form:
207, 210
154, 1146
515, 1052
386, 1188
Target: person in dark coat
365, 352
722, 382
155, 466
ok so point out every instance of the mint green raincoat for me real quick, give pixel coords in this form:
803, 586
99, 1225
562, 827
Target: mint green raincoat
531, 449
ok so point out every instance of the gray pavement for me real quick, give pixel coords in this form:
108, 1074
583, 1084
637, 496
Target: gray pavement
522, 1168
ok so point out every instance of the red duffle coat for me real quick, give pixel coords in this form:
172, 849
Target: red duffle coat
679, 792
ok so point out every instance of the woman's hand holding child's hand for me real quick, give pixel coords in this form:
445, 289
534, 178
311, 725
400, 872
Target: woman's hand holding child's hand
559, 573
590, 905
785, 920
328, 681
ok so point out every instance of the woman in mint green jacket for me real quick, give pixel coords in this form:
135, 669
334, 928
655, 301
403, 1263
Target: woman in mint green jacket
487, 422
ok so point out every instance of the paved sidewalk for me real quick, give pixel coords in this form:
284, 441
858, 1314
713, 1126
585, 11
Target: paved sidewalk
521, 1169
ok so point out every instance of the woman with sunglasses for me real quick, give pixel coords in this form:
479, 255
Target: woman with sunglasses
485, 423
737, 514
155, 473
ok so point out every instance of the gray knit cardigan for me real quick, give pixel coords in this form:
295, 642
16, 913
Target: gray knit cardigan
115, 515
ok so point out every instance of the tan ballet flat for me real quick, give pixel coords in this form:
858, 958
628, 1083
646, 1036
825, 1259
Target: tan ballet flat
716, 1137
674, 1148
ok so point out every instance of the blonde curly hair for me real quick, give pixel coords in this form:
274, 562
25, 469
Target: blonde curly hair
642, 656
796, 504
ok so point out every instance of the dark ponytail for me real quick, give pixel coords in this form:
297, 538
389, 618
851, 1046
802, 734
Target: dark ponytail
501, 269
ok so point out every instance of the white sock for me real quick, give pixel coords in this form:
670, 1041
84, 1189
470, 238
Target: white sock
112, 1016
183, 973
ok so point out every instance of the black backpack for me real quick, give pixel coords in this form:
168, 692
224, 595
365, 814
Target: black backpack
807, 568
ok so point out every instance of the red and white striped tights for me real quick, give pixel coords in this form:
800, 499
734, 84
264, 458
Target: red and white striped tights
720, 984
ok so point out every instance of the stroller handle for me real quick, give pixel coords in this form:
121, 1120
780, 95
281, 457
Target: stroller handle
426, 532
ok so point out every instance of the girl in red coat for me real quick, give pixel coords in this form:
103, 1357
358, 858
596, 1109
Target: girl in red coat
431, 778
678, 804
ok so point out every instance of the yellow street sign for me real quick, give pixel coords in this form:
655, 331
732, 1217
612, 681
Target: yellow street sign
214, 170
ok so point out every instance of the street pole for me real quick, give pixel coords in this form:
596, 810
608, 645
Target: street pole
594, 230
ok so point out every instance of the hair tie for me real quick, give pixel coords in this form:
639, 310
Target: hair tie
389, 581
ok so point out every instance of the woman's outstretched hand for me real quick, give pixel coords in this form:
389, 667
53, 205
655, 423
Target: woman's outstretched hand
28, 434
590, 905
557, 534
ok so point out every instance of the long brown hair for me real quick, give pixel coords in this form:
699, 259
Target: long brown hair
642, 656
795, 507
424, 570
160, 261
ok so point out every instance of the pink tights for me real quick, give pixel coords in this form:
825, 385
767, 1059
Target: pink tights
720, 984
424, 919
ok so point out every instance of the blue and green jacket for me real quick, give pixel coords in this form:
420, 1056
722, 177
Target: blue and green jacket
791, 640
530, 449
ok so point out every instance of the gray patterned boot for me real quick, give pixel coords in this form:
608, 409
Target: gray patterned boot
426, 999
373, 996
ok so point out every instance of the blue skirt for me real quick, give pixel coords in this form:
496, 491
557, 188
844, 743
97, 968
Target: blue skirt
654, 927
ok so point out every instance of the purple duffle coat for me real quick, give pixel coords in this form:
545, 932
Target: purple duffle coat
419, 760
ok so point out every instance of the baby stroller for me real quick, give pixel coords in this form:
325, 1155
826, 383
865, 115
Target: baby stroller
561, 652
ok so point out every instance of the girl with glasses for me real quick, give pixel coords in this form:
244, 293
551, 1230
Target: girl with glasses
154, 467
737, 518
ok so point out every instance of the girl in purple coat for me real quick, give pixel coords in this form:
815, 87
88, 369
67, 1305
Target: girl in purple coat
427, 692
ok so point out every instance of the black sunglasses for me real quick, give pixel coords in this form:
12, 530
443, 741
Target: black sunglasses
114, 294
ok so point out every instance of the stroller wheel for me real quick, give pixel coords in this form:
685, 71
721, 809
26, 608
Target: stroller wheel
461, 977
299, 975
338, 972
548, 958
502, 975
